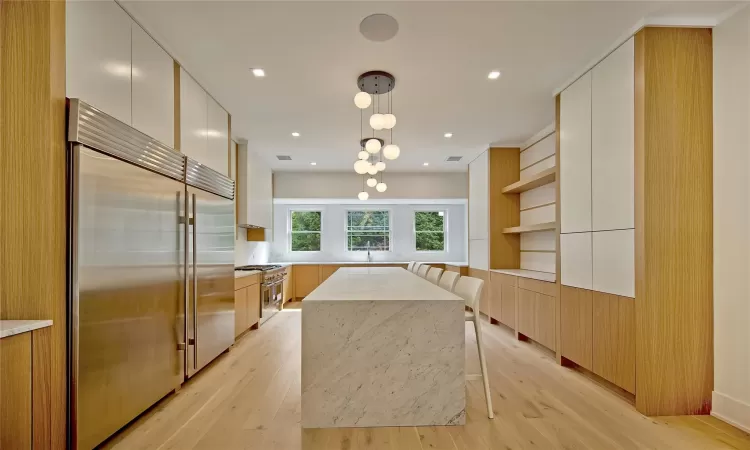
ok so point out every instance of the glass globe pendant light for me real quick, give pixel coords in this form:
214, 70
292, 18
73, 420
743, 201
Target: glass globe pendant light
362, 100
371, 182
363, 155
381, 187
377, 121
372, 145
389, 121
372, 170
391, 151
380, 165
363, 196
362, 166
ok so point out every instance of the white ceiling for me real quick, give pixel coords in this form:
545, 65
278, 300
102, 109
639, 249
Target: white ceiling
312, 53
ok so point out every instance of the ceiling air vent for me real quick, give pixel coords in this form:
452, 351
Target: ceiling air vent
283, 158
454, 158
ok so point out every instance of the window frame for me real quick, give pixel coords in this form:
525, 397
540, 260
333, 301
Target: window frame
290, 232
445, 229
371, 208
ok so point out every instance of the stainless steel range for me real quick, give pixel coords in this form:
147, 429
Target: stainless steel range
271, 289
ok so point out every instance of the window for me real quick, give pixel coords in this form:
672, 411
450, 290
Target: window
368, 230
429, 231
305, 231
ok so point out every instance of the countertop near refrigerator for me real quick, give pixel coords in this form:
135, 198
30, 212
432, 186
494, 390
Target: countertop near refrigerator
13, 327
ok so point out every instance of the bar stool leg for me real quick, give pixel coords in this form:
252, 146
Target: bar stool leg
483, 363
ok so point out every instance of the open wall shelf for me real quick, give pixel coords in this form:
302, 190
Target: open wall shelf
539, 179
531, 228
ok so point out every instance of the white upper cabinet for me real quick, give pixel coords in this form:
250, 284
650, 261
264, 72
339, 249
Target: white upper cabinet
217, 156
98, 65
153, 88
613, 140
478, 197
193, 118
255, 182
614, 262
576, 260
575, 156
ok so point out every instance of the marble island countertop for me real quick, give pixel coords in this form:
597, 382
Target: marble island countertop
378, 284
382, 347
13, 327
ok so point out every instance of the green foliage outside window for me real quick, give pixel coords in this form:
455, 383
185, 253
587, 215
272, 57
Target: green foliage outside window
368, 229
429, 229
306, 231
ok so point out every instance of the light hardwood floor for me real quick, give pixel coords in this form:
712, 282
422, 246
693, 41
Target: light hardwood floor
249, 398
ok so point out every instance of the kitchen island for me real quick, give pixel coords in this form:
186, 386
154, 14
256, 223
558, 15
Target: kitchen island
382, 347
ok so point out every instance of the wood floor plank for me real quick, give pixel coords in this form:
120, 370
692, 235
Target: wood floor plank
249, 399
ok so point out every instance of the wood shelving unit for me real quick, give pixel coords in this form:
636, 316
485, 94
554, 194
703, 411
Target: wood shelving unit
539, 179
530, 228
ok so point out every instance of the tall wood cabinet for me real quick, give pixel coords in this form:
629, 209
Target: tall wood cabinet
635, 219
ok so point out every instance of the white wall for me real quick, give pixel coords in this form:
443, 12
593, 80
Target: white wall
252, 252
731, 397
333, 236
348, 185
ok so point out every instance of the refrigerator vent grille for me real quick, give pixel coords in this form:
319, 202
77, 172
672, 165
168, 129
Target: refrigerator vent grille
203, 177
99, 131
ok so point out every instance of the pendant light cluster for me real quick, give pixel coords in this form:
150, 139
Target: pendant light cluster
372, 86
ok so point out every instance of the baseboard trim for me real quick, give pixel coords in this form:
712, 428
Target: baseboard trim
730, 410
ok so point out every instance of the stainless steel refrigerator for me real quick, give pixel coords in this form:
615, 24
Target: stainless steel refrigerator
151, 271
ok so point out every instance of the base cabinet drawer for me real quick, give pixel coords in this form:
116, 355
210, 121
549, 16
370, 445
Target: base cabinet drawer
614, 339
576, 325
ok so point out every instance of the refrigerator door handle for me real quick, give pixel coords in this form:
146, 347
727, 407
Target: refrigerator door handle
182, 346
195, 286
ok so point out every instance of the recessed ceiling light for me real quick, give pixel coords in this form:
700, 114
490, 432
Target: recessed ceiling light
448, 135
426, 164
313, 164
259, 73
494, 75
295, 134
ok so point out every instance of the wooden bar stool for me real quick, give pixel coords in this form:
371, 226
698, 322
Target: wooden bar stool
434, 274
470, 289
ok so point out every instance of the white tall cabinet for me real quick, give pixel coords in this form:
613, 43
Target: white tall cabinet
597, 177
204, 126
115, 66
478, 212
255, 182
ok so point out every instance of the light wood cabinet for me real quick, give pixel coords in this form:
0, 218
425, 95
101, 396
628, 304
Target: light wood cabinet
614, 262
240, 312
575, 156
25, 383
525, 305
461, 270
484, 301
503, 301
576, 260
287, 287
613, 140
152, 88
306, 279
98, 57
536, 317
326, 270
614, 339
246, 303
576, 326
